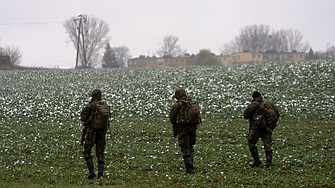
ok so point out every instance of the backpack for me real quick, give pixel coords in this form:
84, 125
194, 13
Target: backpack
190, 114
266, 117
101, 116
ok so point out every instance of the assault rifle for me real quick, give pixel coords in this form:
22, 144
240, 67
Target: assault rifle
175, 131
83, 136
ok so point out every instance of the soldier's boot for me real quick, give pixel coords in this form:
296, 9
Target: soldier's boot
268, 158
90, 167
188, 164
192, 155
101, 169
255, 155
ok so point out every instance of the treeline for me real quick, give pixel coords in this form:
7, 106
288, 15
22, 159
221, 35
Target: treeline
261, 38
328, 54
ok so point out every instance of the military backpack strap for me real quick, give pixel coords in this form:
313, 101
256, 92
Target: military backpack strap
260, 117
94, 110
259, 108
90, 115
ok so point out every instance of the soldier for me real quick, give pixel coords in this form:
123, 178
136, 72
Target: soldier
185, 126
94, 133
255, 112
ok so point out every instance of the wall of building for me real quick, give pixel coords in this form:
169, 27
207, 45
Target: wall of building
4, 60
299, 56
224, 59
233, 59
175, 61
277, 57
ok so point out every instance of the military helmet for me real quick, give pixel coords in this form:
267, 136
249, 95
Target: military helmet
256, 94
96, 95
180, 93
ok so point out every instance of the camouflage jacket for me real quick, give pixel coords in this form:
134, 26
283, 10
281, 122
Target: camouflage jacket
87, 115
175, 114
253, 110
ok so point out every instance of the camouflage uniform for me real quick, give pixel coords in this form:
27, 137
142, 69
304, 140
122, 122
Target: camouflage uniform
255, 132
93, 136
186, 133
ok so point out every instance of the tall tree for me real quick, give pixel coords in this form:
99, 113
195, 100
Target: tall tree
232, 47
205, 57
122, 54
277, 41
260, 38
108, 59
170, 47
330, 51
311, 54
294, 41
254, 37
14, 54
321, 55
94, 36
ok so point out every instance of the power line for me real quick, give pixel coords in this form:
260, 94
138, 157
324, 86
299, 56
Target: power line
184, 45
30, 23
137, 33
33, 18
115, 29
46, 60
155, 38
134, 36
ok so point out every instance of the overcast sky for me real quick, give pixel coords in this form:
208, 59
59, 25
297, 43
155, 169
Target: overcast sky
36, 26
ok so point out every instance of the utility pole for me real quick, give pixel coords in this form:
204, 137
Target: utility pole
80, 31
78, 40
82, 34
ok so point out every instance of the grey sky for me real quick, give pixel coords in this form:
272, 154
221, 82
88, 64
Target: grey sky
36, 26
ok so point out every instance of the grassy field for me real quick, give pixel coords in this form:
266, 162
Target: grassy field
40, 128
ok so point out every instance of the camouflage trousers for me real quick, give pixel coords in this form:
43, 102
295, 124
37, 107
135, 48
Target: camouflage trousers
186, 140
97, 138
264, 134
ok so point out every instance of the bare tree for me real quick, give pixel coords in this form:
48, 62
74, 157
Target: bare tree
294, 41
232, 47
321, 55
277, 41
170, 47
254, 37
260, 38
122, 54
95, 37
14, 54
330, 51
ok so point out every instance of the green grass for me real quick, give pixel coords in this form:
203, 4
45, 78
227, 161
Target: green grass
40, 128
143, 153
